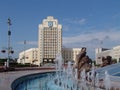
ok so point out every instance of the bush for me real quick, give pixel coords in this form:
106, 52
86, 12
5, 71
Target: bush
2, 62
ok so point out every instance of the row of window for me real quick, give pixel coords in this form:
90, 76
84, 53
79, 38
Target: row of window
46, 36
54, 33
50, 51
50, 36
50, 40
50, 45
51, 28
50, 48
50, 55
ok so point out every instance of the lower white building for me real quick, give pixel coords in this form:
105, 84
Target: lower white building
29, 56
103, 52
116, 53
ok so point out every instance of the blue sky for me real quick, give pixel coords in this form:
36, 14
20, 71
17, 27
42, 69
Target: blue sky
85, 22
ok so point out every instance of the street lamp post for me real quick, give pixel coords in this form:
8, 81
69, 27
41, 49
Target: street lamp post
24, 51
9, 48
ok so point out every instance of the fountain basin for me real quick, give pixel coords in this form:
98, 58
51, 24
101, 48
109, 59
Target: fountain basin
31, 82
63, 79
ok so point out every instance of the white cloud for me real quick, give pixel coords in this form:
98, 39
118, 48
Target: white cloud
93, 40
94, 36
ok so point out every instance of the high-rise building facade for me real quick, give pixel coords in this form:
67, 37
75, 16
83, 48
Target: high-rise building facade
49, 40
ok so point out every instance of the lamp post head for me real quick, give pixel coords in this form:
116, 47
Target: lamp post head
12, 51
3, 51
9, 21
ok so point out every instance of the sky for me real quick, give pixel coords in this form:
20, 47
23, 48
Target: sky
86, 23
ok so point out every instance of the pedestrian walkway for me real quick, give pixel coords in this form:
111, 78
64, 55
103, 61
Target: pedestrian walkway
6, 78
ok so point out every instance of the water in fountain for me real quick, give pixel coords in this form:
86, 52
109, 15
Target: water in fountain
83, 80
66, 78
107, 81
97, 80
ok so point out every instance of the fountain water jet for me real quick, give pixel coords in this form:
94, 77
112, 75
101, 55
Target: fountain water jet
107, 81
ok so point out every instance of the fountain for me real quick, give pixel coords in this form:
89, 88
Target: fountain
67, 78
71, 78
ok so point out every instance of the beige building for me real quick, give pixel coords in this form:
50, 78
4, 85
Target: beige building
49, 40
69, 54
29, 56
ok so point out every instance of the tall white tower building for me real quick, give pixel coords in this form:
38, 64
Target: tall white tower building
49, 40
